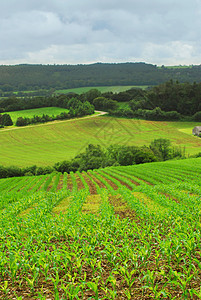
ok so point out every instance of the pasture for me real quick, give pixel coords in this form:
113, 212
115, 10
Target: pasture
30, 113
102, 89
46, 144
115, 233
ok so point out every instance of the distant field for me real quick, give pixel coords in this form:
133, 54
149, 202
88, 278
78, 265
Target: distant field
102, 89
176, 67
29, 113
46, 144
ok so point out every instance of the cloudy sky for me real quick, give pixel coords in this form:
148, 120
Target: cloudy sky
86, 31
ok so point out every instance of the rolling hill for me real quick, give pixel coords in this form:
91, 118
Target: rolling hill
48, 143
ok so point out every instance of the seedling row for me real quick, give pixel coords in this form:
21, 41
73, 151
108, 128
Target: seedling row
115, 233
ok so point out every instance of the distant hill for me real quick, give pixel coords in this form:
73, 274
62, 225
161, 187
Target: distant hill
34, 77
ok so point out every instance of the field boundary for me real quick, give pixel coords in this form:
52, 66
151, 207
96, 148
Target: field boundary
99, 113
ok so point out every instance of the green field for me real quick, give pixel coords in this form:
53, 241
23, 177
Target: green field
30, 113
102, 89
45, 144
115, 233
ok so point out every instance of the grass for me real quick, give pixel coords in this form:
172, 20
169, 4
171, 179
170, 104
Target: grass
45, 144
29, 113
102, 89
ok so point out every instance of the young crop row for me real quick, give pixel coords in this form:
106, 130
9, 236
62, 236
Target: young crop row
130, 176
71, 254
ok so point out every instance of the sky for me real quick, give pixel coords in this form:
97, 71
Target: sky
161, 32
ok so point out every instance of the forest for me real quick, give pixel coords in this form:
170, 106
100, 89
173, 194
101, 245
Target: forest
47, 77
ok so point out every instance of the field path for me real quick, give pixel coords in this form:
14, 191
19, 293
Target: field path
100, 113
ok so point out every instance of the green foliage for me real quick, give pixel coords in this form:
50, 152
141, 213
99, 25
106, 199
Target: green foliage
141, 230
162, 146
102, 103
5, 120
197, 116
41, 77
81, 109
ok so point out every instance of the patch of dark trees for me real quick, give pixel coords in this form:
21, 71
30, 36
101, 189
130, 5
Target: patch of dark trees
46, 77
5, 120
169, 101
95, 157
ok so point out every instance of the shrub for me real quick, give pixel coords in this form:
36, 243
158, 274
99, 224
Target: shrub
197, 116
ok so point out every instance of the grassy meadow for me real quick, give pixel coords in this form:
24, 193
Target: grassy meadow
30, 113
102, 89
45, 144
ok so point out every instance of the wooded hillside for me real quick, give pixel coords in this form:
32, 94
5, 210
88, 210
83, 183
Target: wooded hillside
34, 77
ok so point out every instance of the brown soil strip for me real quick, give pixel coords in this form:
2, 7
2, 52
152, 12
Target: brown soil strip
100, 184
80, 184
112, 184
40, 187
51, 184
122, 182
120, 207
60, 184
91, 185
69, 183
171, 197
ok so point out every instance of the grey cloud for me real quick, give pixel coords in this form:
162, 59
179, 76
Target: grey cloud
63, 31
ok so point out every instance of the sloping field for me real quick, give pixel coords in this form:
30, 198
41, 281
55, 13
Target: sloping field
30, 113
116, 233
46, 144
102, 89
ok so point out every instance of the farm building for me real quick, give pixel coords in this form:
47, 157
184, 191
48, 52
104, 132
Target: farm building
197, 130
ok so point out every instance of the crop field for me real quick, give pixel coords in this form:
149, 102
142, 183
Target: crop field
30, 113
102, 89
46, 144
114, 233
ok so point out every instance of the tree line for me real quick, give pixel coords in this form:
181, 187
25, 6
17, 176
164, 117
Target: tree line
169, 101
95, 157
82, 109
47, 77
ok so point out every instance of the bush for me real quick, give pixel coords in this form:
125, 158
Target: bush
6, 120
21, 121
44, 170
197, 116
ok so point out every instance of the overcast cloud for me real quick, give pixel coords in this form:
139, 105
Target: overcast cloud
86, 31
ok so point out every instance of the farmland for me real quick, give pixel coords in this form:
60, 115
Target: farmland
102, 89
30, 113
115, 233
46, 144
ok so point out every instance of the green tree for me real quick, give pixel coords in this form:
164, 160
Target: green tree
162, 147
6, 120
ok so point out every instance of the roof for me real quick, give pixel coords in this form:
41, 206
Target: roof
197, 127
